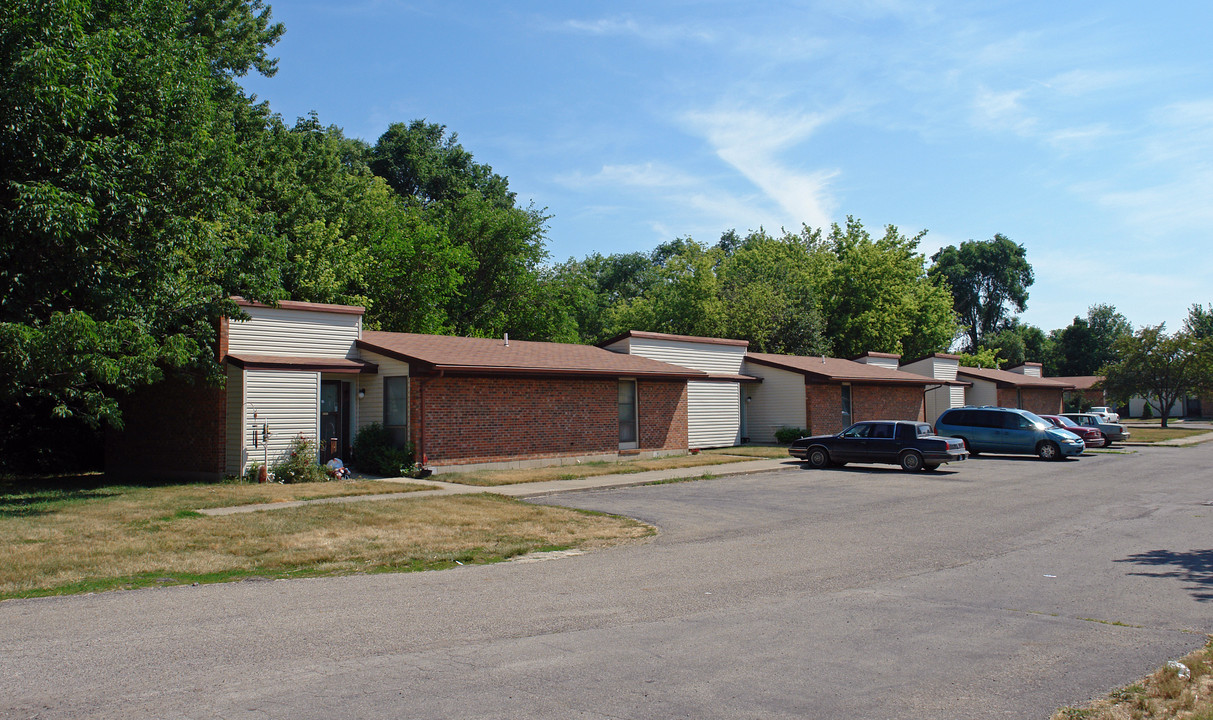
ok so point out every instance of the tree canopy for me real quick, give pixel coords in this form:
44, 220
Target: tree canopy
988, 280
1152, 364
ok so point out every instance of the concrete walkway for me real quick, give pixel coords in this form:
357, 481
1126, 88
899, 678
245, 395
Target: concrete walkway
534, 489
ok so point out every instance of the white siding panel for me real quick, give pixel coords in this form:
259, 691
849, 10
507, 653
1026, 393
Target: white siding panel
308, 333
778, 401
886, 363
289, 401
370, 408
940, 398
707, 357
713, 414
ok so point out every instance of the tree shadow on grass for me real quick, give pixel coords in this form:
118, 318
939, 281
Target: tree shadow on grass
39, 495
1194, 567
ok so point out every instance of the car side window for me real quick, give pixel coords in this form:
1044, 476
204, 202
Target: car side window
857, 431
957, 417
987, 418
883, 431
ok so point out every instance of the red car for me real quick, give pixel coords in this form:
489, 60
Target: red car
1091, 436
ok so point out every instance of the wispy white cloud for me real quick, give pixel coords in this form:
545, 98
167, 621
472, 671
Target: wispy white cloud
627, 26
642, 175
1002, 111
754, 143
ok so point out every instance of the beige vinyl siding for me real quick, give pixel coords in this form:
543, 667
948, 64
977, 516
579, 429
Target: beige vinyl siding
941, 398
983, 392
706, 357
778, 401
289, 401
234, 445
1026, 370
713, 415
307, 333
886, 363
370, 408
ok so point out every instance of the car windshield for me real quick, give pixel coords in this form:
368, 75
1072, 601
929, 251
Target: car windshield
1037, 421
857, 430
1067, 422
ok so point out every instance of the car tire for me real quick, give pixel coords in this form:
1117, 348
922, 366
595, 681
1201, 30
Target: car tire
1107, 441
930, 467
818, 458
968, 449
1048, 451
911, 461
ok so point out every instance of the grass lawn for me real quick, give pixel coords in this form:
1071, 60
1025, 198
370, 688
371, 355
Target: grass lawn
90, 536
1158, 434
491, 478
754, 451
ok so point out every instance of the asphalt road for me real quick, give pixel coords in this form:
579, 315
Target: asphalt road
1005, 587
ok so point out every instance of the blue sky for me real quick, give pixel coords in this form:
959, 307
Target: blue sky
1082, 130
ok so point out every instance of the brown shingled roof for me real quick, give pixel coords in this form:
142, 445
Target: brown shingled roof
1002, 378
1080, 382
828, 369
480, 356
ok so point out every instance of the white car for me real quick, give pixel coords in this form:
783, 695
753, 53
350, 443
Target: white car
1106, 413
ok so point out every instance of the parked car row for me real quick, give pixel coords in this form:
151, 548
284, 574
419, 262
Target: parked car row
958, 434
912, 445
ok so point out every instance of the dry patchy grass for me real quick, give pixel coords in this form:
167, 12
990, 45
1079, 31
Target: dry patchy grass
492, 478
1163, 694
1158, 434
129, 537
754, 451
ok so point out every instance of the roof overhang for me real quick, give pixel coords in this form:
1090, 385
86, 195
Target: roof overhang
346, 366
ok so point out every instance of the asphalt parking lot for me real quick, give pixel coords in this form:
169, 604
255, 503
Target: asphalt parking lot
998, 587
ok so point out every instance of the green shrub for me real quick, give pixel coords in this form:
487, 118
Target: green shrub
376, 454
300, 465
1147, 412
785, 435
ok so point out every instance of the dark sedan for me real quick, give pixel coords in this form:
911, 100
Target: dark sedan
912, 445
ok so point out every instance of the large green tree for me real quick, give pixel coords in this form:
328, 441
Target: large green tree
1087, 344
878, 297
119, 174
769, 287
1154, 365
1018, 343
988, 279
501, 245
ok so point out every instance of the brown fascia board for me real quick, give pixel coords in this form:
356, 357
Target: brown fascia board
666, 336
299, 305
304, 364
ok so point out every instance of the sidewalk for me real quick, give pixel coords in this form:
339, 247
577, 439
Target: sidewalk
536, 489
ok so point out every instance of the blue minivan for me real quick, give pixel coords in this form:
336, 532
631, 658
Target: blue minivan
1007, 430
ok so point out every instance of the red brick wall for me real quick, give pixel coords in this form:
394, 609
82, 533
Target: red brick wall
868, 402
663, 415
887, 402
458, 420
174, 429
823, 408
1041, 401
